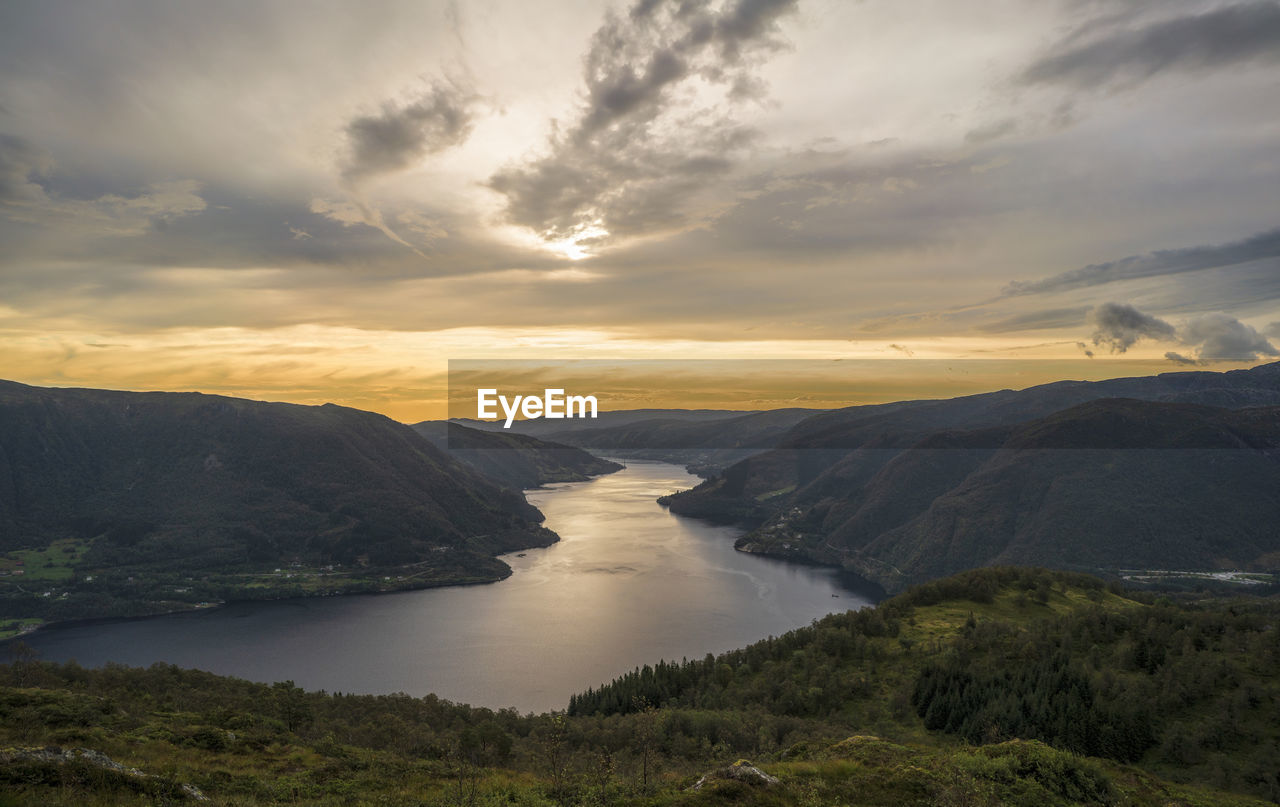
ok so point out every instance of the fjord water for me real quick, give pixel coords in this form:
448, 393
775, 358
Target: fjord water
628, 584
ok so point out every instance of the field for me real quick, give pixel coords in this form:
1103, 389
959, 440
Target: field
55, 562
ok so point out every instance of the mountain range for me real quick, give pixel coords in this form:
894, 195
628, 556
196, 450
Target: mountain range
125, 503
215, 495
518, 461
1179, 469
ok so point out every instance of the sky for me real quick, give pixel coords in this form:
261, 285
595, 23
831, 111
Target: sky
320, 201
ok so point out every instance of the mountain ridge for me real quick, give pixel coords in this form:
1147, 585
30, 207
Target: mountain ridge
516, 460
843, 486
177, 489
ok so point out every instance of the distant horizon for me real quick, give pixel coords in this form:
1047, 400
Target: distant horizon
441, 407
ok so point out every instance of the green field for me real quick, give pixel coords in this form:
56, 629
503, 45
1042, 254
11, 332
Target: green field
55, 562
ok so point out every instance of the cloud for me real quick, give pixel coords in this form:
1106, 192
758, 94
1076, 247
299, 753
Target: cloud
642, 145
1154, 264
1036, 320
441, 118
991, 131
399, 136
1221, 37
1213, 337
25, 200
1273, 330
1220, 337
19, 162
1119, 326
358, 211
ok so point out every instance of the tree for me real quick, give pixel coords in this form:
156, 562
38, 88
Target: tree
292, 704
23, 657
646, 730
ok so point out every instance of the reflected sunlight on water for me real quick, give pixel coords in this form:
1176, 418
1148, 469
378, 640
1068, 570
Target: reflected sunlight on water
628, 584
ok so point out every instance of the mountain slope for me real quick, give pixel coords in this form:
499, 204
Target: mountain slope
704, 440
1007, 654
549, 429
1105, 485
184, 482
905, 422
514, 460
840, 489
819, 442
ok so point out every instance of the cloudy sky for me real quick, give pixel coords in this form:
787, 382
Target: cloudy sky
315, 201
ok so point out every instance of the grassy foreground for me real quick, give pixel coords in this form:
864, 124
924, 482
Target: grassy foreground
1005, 686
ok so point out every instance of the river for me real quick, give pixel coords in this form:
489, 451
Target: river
629, 583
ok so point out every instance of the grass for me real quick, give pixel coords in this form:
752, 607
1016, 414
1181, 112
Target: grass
15, 627
773, 494
940, 621
55, 562
867, 770
236, 742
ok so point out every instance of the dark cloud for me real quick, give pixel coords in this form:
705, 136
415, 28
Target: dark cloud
30, 207
1273, 330
20, 160
439, 119
1119, 326
1220, 37
1163, 262
638, 149
1220, 337
991, 131
1214, 337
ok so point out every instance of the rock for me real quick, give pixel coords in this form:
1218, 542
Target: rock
55, 755
740, 771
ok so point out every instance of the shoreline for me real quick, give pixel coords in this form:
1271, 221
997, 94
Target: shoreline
848, 581
215, 605
77, 622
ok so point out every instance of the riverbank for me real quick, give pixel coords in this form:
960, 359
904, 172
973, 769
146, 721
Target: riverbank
190, 594
627, 583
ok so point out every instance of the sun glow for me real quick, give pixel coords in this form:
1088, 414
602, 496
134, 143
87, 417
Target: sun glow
579, 245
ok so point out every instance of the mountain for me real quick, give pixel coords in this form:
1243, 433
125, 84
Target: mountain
736, 431
513, 460
126, 484
704, 440
998, 686
901, 423
543, 427
902, 493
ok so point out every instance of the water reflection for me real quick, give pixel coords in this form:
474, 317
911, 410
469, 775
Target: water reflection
629, 583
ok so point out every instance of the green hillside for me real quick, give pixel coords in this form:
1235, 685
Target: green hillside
121, 503
1000, 686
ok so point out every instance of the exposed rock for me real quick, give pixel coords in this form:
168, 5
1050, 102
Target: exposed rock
740, 771
52, 754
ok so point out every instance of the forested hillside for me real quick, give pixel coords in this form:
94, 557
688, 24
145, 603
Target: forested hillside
132, 502
999, 686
